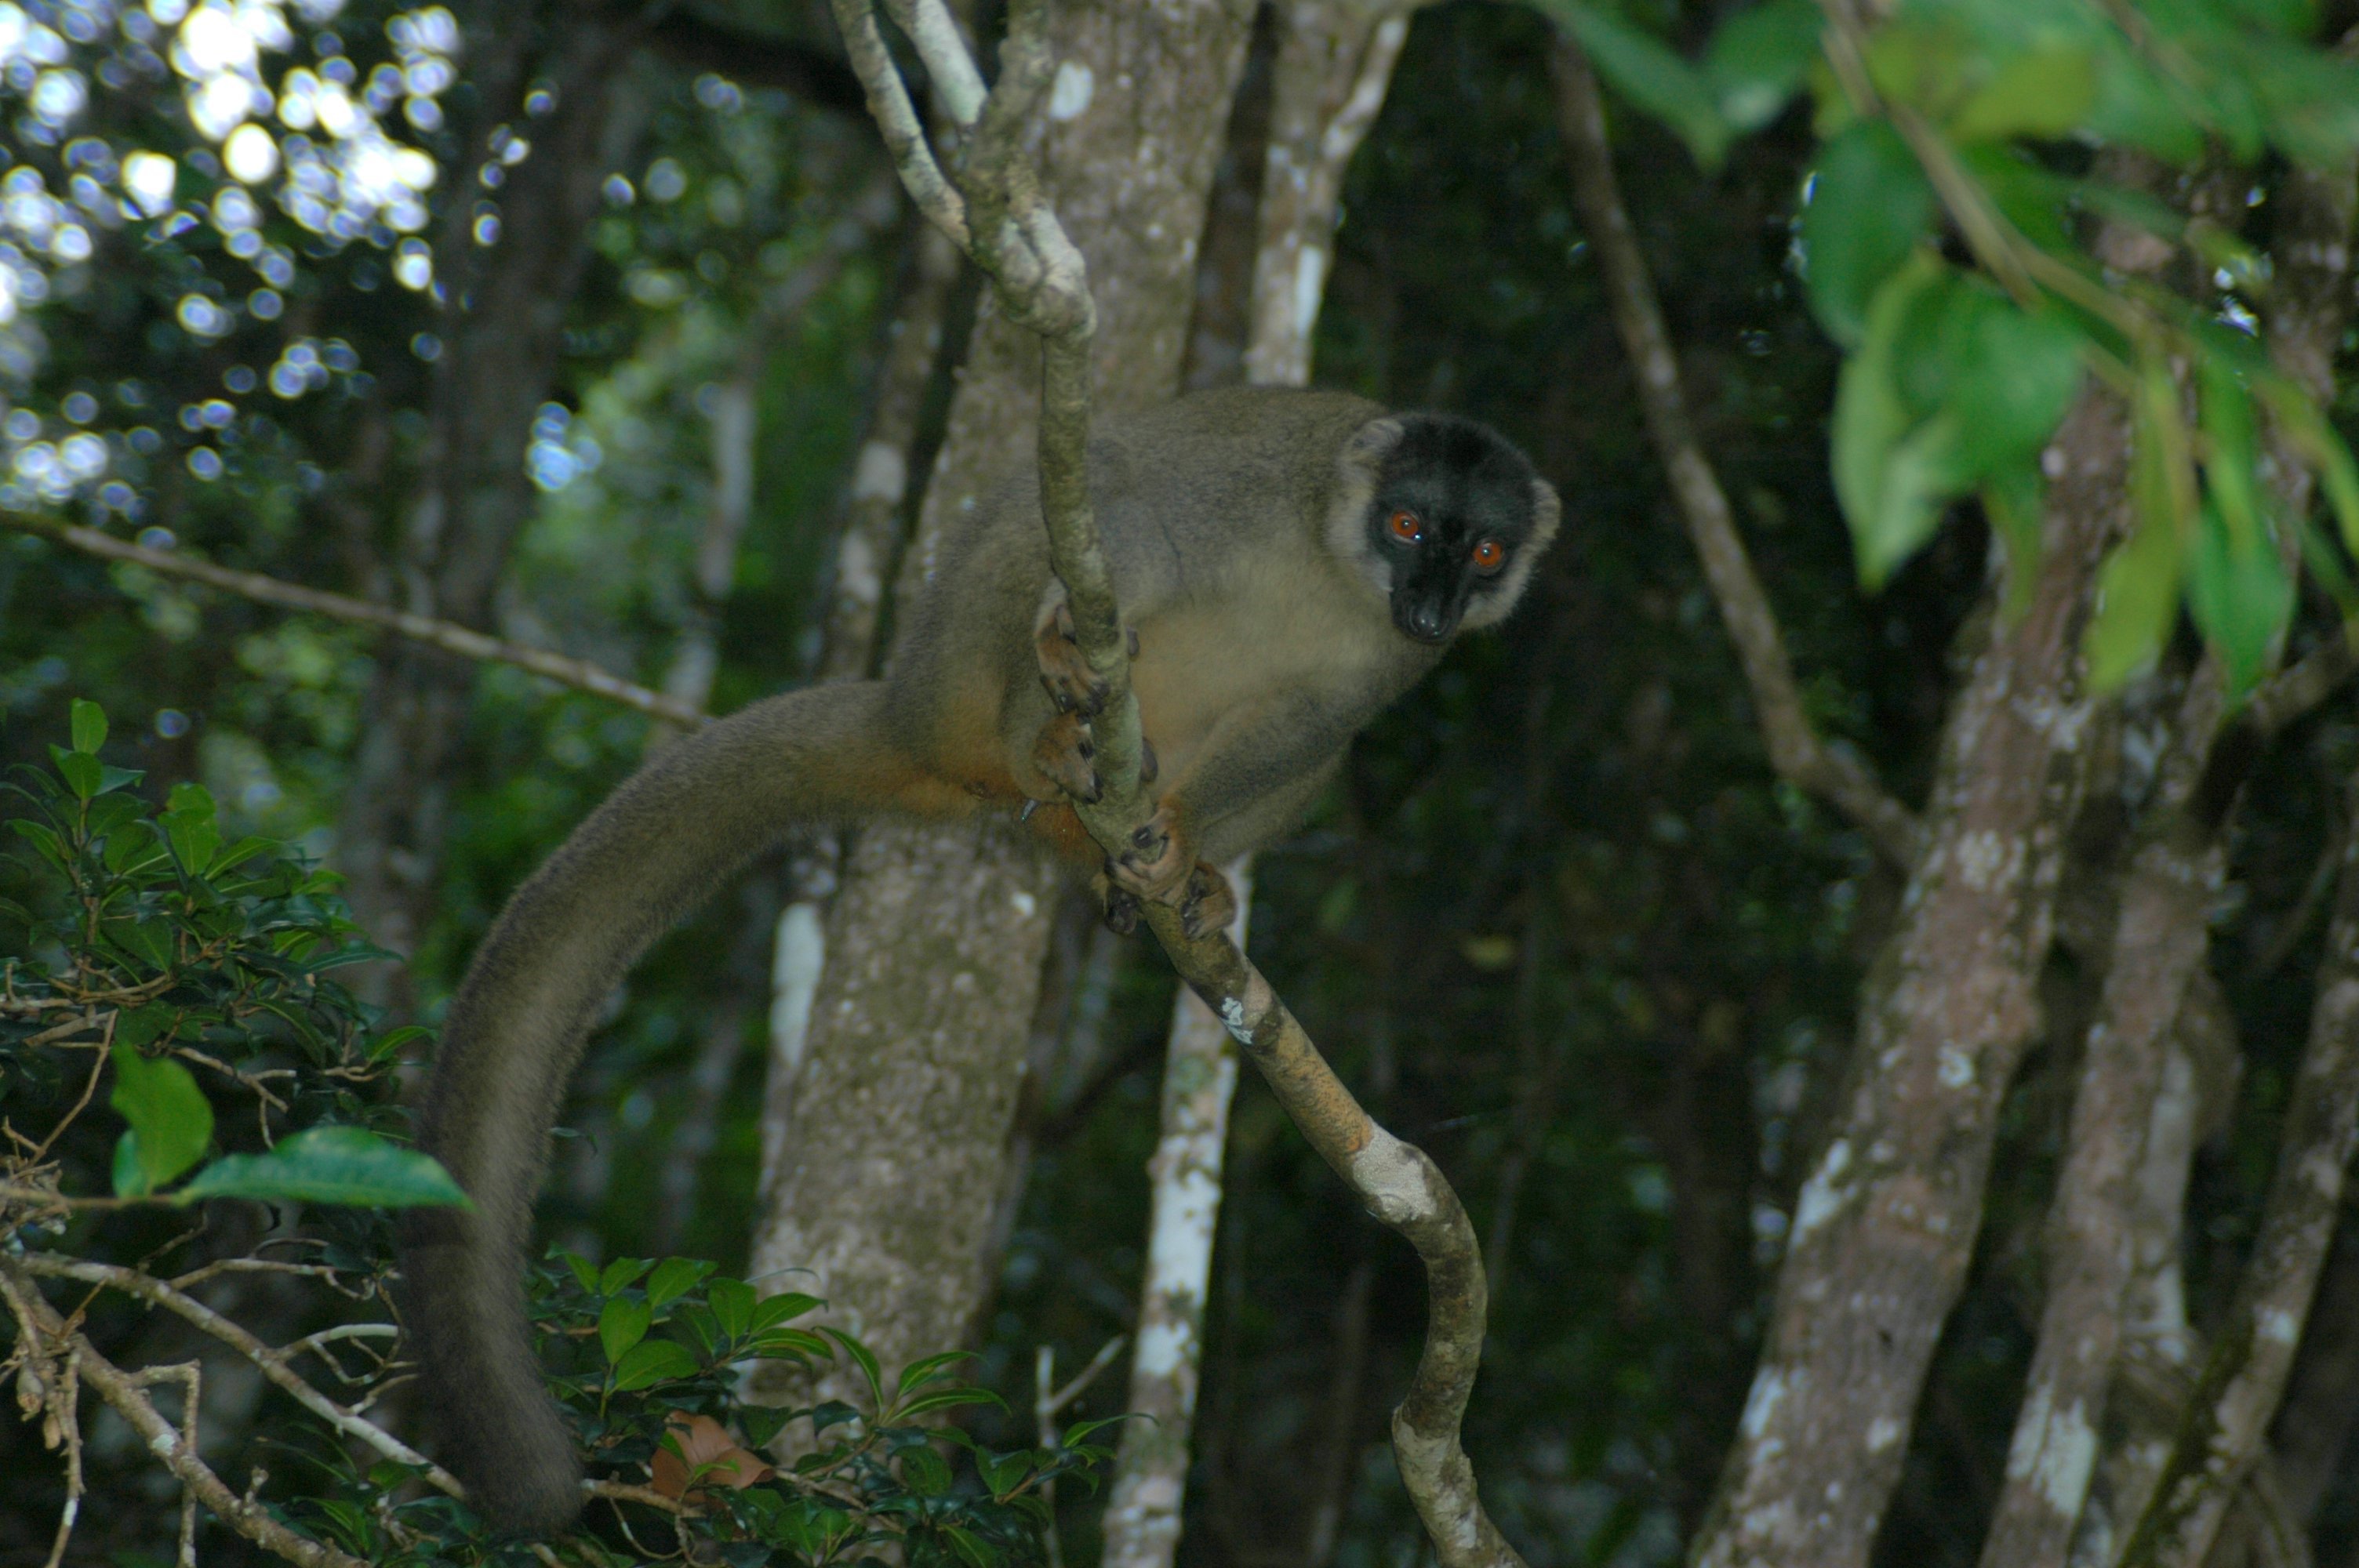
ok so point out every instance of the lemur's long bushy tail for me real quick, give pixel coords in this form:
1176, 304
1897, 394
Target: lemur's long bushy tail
699, 810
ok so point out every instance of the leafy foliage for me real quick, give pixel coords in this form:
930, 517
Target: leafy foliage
1953, 381
170, 953
645, 1357
187, 970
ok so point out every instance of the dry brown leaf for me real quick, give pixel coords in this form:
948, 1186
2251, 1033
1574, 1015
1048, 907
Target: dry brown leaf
705, 1441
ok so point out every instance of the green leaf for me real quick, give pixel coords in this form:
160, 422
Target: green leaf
652, 1361
787, 1344
1650, 75
331, 1165
2138, 589
2320, 445
930, 1369
732, 1305
972, 1550
622, 1323
2139, 107
2014, 500
832, 1412
2013, 373
386, 1047
2231, 454
585, 1273
149, 941
189, 827
925, 1472
2310, 98
675, 1277
89, 725
236, 854
2138, 600
2033, 197
1890, 478
864, 1358
1074, 1434
81, 772
621, 1273
2044, 94
1869, 207
777, 1309
1003, 1473
1760, 59
2240, 597
1929, 62
945, 1399
171, 1120
44, 840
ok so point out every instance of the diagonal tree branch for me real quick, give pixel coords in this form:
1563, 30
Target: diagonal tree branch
1796, 750
1009, 229
578, 674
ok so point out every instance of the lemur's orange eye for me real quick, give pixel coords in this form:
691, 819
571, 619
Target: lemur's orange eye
1405, 526
1490, 556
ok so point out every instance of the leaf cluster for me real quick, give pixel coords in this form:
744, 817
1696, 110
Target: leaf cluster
646, 1357
1966, 124
188, 973
159, 952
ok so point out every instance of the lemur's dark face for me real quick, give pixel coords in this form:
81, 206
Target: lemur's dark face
1456, 510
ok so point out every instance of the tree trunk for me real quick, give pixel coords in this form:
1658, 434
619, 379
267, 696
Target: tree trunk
919, 1025
1886, 1225
2160, 946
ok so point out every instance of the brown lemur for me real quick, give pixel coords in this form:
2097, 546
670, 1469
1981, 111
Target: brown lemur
1287, 562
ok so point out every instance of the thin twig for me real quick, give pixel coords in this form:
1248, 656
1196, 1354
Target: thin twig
90, 1087
624, 1492
1796, 750
2302, 685
1050, 1404
122, 1391
48, 1382
273, 1364
190, 1375
578, 674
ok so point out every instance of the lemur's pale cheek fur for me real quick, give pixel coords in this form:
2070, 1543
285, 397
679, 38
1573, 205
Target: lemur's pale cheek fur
1236, 525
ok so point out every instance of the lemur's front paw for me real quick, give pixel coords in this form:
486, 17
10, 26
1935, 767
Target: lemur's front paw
1156, 863
1066, 753
1208, 904
1066, 677
1122, 909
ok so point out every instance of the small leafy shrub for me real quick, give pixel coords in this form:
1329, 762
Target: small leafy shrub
198, 1141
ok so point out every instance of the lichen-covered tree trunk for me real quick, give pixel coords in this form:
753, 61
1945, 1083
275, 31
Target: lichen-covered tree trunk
2160, 952
1885, 1224
918, 1029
